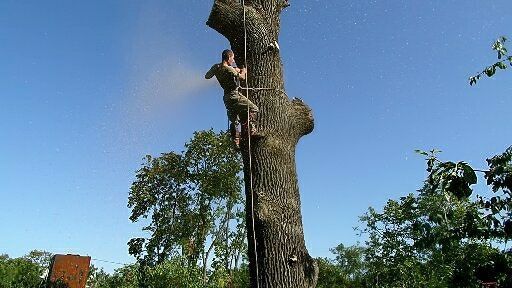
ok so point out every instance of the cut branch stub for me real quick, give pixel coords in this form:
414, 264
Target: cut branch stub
227, 18
303, 122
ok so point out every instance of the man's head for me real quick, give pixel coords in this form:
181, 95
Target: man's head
228, 56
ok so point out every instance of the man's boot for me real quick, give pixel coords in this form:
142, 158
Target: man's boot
235, 136
249, 128
252, 126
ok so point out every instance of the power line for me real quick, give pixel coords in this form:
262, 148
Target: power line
92, 259
111, 262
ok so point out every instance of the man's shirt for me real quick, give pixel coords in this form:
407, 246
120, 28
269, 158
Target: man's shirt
226, 75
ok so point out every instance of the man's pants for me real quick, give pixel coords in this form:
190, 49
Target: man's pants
237, 105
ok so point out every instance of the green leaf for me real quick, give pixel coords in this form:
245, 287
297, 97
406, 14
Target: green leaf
489, 71
501, 65
508, 228
469, 174
421, 152
447, 165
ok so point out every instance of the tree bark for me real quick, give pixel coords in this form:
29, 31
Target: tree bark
282, 257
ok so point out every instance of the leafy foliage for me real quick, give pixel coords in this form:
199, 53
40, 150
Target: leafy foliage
499, 206
503, 57
329, 274
193, 205
23, 272
168, 274
347, 269
97, 277
441, 236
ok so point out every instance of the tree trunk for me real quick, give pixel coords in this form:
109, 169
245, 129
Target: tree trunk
282, 257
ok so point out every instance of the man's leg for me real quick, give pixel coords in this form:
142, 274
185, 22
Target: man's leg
235, 135
243, 105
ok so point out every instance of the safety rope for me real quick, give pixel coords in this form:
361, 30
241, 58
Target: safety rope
249, 150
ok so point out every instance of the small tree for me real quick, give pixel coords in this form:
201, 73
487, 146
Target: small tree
194, 205
20, 272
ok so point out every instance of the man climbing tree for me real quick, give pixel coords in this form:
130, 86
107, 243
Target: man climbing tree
236, 103
277, 252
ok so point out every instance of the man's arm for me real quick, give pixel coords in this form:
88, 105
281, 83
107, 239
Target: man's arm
211, 72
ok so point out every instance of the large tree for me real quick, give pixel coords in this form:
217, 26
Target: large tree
273, 201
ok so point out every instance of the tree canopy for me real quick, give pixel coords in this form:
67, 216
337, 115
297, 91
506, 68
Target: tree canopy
192, 204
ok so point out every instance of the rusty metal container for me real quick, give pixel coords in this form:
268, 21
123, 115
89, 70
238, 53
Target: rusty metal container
71, 270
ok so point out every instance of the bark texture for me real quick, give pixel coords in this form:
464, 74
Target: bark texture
282, 257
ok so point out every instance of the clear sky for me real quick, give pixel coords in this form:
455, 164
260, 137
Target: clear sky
89, 87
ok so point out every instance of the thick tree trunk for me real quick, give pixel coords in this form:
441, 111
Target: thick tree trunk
282, 257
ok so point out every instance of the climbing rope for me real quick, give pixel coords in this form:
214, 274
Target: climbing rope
249, 150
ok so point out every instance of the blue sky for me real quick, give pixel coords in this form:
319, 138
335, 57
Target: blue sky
90, 87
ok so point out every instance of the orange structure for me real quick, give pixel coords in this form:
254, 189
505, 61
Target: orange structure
71, 270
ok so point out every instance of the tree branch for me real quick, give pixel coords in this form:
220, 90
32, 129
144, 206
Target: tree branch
225, 17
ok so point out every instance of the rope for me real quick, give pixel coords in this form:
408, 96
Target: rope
249, 150
264, 88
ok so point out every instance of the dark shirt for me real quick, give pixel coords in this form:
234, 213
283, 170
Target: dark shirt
226, 75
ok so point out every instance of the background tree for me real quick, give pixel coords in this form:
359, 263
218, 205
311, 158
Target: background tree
97, 277
22, 272
194, 205
347, 269
441, 237
329, 274
168, 274
269, 166
40, 257
446, 235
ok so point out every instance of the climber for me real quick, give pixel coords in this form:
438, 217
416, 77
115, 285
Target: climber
236, 103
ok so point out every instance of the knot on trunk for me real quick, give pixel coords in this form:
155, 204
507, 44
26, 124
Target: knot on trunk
302, 117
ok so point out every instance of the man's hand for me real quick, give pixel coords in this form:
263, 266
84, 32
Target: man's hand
242, 73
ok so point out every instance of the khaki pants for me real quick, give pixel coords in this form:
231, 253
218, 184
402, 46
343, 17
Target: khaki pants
237, 105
